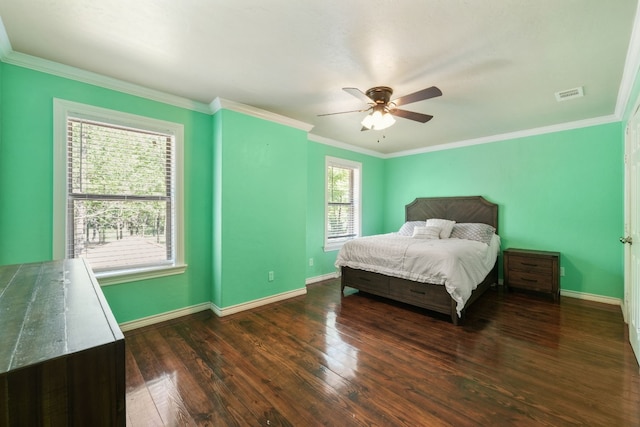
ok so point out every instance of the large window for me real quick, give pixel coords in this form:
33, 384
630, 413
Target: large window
342, 218
121, 202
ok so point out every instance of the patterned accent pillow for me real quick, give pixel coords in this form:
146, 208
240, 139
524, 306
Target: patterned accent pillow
473, 231
446, 226
428, 232
407, 227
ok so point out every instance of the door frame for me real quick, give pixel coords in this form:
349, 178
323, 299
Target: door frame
627, 219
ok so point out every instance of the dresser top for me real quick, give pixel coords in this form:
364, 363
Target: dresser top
49, 310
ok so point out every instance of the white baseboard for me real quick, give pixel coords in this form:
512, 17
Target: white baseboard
591, 297
584, 296
624, 312
321, 278
169, 315
174, 314
221, 312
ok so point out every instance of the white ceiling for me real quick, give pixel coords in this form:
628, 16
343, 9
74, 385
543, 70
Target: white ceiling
497, 62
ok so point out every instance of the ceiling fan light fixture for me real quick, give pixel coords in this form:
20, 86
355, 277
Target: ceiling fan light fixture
379, 119
381, 106
368, 121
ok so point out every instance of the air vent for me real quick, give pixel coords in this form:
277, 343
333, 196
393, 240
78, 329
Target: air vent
565, 95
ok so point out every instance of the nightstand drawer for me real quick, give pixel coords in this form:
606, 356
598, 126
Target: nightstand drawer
535, 282
541, 266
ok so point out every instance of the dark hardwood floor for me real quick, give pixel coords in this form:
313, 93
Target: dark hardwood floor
321, 359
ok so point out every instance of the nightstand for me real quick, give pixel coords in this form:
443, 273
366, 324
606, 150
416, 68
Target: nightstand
532, 270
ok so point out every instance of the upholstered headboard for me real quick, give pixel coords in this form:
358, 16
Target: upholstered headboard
459, 209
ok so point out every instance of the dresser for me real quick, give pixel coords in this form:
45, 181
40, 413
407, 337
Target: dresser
532, 270
62, 356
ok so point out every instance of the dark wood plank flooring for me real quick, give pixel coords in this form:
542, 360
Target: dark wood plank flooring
323, 359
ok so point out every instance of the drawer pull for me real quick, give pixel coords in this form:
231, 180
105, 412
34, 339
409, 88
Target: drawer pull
417, 292
530, 280
529, 265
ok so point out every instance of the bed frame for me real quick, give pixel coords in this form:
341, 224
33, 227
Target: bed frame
426, 295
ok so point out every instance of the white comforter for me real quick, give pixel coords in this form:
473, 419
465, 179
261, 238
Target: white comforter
458, 264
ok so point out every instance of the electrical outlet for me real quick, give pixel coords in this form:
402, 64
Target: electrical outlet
271, 276
562, 271
310, 262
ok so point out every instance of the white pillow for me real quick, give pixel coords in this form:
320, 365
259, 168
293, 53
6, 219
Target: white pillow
446, 226
427, 232
407, 227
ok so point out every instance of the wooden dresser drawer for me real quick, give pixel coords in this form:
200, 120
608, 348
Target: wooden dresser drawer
365, 280
532, 270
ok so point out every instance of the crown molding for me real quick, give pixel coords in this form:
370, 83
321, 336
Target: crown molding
511, 135
345, 146
475, 141
8, 56
83, 76
221, 103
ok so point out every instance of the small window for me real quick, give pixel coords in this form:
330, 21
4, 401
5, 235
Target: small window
122, 210
342, 216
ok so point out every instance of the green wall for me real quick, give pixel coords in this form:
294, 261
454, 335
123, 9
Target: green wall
373, 197
560, 191
260, 208
254, 196
26, 185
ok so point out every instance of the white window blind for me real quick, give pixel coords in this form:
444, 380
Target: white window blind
341, 207
342, 202
120, 195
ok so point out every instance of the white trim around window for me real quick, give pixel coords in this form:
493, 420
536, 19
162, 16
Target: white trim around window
62, 110
352, 202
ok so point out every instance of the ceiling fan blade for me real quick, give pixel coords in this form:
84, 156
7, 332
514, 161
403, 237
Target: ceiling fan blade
421, 95
411, 115
344, 112
357, 93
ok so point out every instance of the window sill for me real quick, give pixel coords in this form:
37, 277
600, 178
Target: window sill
334, 246
134, 275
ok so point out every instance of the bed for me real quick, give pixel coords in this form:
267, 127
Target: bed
431, 291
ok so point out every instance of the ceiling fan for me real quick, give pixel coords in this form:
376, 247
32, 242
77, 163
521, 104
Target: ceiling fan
382, 109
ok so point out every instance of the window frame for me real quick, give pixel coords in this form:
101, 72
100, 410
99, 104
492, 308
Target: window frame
357, 203
62, 110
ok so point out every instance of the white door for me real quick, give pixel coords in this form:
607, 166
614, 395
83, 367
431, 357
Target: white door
632, 230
